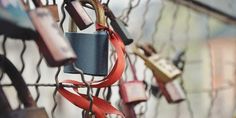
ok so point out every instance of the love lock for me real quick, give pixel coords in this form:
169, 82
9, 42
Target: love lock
163, 69
173, 92
165, 73
78, 14
51, 42
92, 48
31, 110
14, 21
118, 26
132, 92
53, 8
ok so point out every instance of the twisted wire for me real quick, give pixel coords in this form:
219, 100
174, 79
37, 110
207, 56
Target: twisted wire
145, 13
38, 78
4, 53
157, 22
55, 92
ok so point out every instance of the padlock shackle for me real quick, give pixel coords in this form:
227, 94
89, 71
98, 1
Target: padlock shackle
108, 12
18, 82
100, 13
37, 3
132, 67
72, 26
148, 49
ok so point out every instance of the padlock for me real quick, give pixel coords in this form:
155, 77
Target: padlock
53, 8
31, 110
78, 14
14, 21
163, 69
132, 91
173, 92
51, 42
118, 26
127, 110
92, 49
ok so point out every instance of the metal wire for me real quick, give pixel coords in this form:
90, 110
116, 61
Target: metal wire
55, 92
4, 53
22, 57
172, 27
145, 13
38, 78
157, 22
126, 12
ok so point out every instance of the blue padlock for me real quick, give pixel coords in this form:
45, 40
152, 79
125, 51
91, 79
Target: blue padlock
14, 21
92, 52
91, 49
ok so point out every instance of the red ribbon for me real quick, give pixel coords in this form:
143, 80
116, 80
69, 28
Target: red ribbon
100, 107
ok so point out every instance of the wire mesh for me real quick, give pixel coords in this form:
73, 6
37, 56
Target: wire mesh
154, 103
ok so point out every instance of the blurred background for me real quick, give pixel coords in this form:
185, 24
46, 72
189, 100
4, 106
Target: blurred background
170, 27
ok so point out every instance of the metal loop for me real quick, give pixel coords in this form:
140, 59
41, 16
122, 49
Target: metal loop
63, 15
55, 92
90, 97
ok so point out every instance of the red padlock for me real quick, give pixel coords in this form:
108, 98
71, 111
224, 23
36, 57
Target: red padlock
132, 91
51, 42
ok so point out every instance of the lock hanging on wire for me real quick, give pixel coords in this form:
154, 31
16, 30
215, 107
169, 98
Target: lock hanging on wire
31, 110
91, 48
132, 92
53, 9
165, 73
14, 21
51, 42
164, 70
78, 14
118, 26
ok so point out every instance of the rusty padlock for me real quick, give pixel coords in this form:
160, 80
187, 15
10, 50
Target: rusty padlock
51, 42
78, 14
53, 8
14, 21
118, 26
164, 69
31, 110
172, 91
132, 92
92, 49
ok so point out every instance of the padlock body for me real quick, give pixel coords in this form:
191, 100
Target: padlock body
55, 48
163, 69
79, 15
133, 91
26, 113
15, 23
92, 50
54, 11
173, 92
120, 28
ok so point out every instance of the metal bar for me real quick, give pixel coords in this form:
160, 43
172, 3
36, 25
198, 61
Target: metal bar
201, 7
